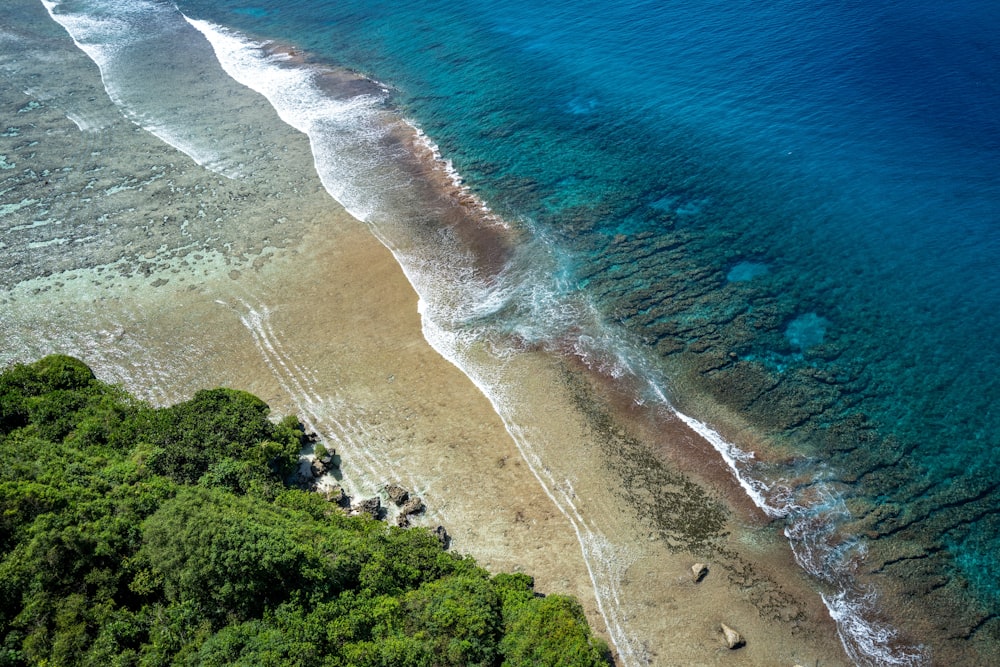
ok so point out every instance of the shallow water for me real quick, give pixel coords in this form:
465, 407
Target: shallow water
781, 220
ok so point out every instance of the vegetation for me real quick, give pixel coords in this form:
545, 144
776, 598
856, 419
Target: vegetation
131, 535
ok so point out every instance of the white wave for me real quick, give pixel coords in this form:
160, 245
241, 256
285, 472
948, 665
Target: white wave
82, 123
735, 458
820, 549
867, 641
321, 415
812, 514
113, 33
294, 92
345, 139
456, 179
605, 562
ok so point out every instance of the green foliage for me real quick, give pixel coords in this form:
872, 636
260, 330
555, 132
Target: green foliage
215, 424
321, 451
515, 590
459, 616
550, 632
22, 382
233, 556
134, 536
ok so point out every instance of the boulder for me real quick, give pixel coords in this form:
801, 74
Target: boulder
371, 506
699, 571
333, 494
397, 494
403, 521
317, 468
442, 536
734, 640
412, 506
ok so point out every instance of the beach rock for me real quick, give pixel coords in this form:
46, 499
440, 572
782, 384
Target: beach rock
371, 506
442, 536
397, 494
699, 571
403, 521
734, 640
333, 494
317, 468
412, 506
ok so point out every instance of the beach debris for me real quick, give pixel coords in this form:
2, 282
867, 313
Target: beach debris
371, 506
397, 494
442, 536
734, 640
699, 571
412, 506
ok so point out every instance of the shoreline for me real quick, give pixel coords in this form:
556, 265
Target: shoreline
368, 380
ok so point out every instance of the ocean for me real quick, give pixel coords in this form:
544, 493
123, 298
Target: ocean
779, 220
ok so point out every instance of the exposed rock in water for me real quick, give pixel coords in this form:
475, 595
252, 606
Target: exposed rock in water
371, 506
397, 494
442, 536
412, 506
403, 521
333, 494
699, 571
734, 639
317, 468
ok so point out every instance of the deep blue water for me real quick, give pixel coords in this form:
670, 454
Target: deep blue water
795, 207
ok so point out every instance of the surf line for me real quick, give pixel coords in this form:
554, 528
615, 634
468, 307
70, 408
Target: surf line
866, 641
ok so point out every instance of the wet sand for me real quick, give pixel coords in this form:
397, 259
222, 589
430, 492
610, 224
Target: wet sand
292, 299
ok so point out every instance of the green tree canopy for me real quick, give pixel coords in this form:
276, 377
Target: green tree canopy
141, 536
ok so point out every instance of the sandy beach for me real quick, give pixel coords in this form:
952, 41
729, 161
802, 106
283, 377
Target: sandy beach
287, 296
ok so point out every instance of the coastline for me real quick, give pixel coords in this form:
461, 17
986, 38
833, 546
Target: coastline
349, 351
413, 418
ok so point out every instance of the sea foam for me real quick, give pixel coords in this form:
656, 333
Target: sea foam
350, 176
120, 36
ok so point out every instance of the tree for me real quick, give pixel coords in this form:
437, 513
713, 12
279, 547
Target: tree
550, 632
215, 424
235, 557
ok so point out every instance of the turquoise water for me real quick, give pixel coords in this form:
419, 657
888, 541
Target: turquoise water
791, 210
